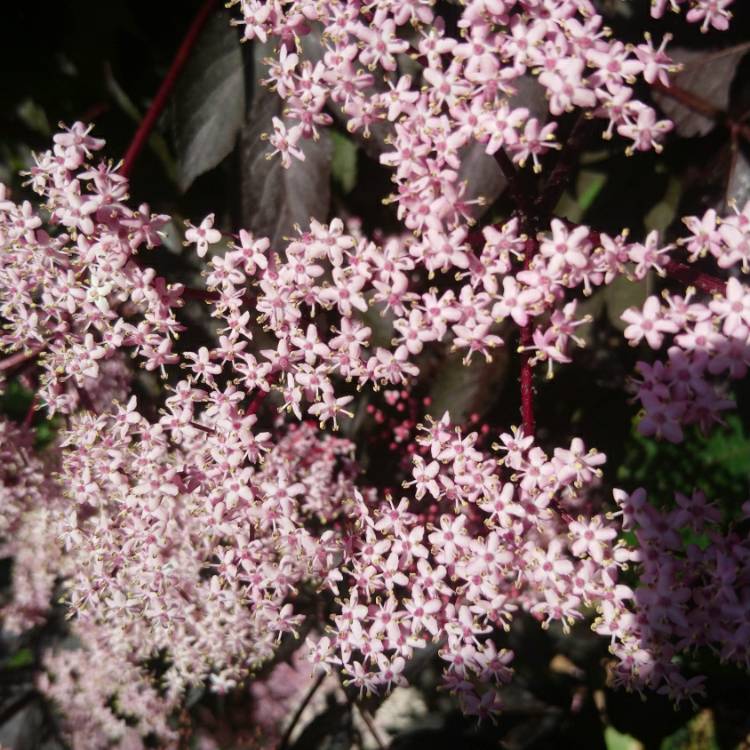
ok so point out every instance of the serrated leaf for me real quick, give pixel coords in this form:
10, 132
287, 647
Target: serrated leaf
208, 105
275, 200
709, 77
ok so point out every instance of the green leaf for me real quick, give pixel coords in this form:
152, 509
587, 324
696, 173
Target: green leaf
588, 186
156, 140
663, 213
15, 400
718, 464
34, 117
623, 293
208, 104
698, 734
22, 658
344, 164
730, 449
617, 741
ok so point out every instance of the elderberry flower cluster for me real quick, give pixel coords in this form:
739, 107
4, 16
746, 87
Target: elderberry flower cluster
76, 297
194, 533
707, 340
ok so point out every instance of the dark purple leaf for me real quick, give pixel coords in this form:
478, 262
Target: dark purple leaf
208, 104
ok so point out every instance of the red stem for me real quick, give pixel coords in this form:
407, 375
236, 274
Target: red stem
202, 295
691, 277
527, 371
681, 272
157, 105
29, 418
257, 402
521, 198
19, 358
689, 100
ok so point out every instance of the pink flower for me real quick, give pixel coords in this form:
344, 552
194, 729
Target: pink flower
203, 235
591, 538
733, 309
650, 324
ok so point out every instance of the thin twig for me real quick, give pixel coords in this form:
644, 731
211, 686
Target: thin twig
699, 105
202, 295
298, 713
689, 100
20, 358
526, 378
14, 707
365, 714
673, 269
560, 174
162, 95
691, 277
516, 187
522, 198
29, 418
257, 402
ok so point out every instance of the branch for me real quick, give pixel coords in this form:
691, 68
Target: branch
29, 418
18, 705
529, 219
370, 724
162, 95
518, 192
558, 179
691, 277
298, 713
202, 295
20, 358
526, 378
260, 397
689, 100
681, 272
697, 104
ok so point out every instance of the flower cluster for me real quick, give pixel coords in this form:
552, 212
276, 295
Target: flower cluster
76, 297
31, 502
709, 338
195, 538
710, 14
456, 558
690, 572
465, 84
